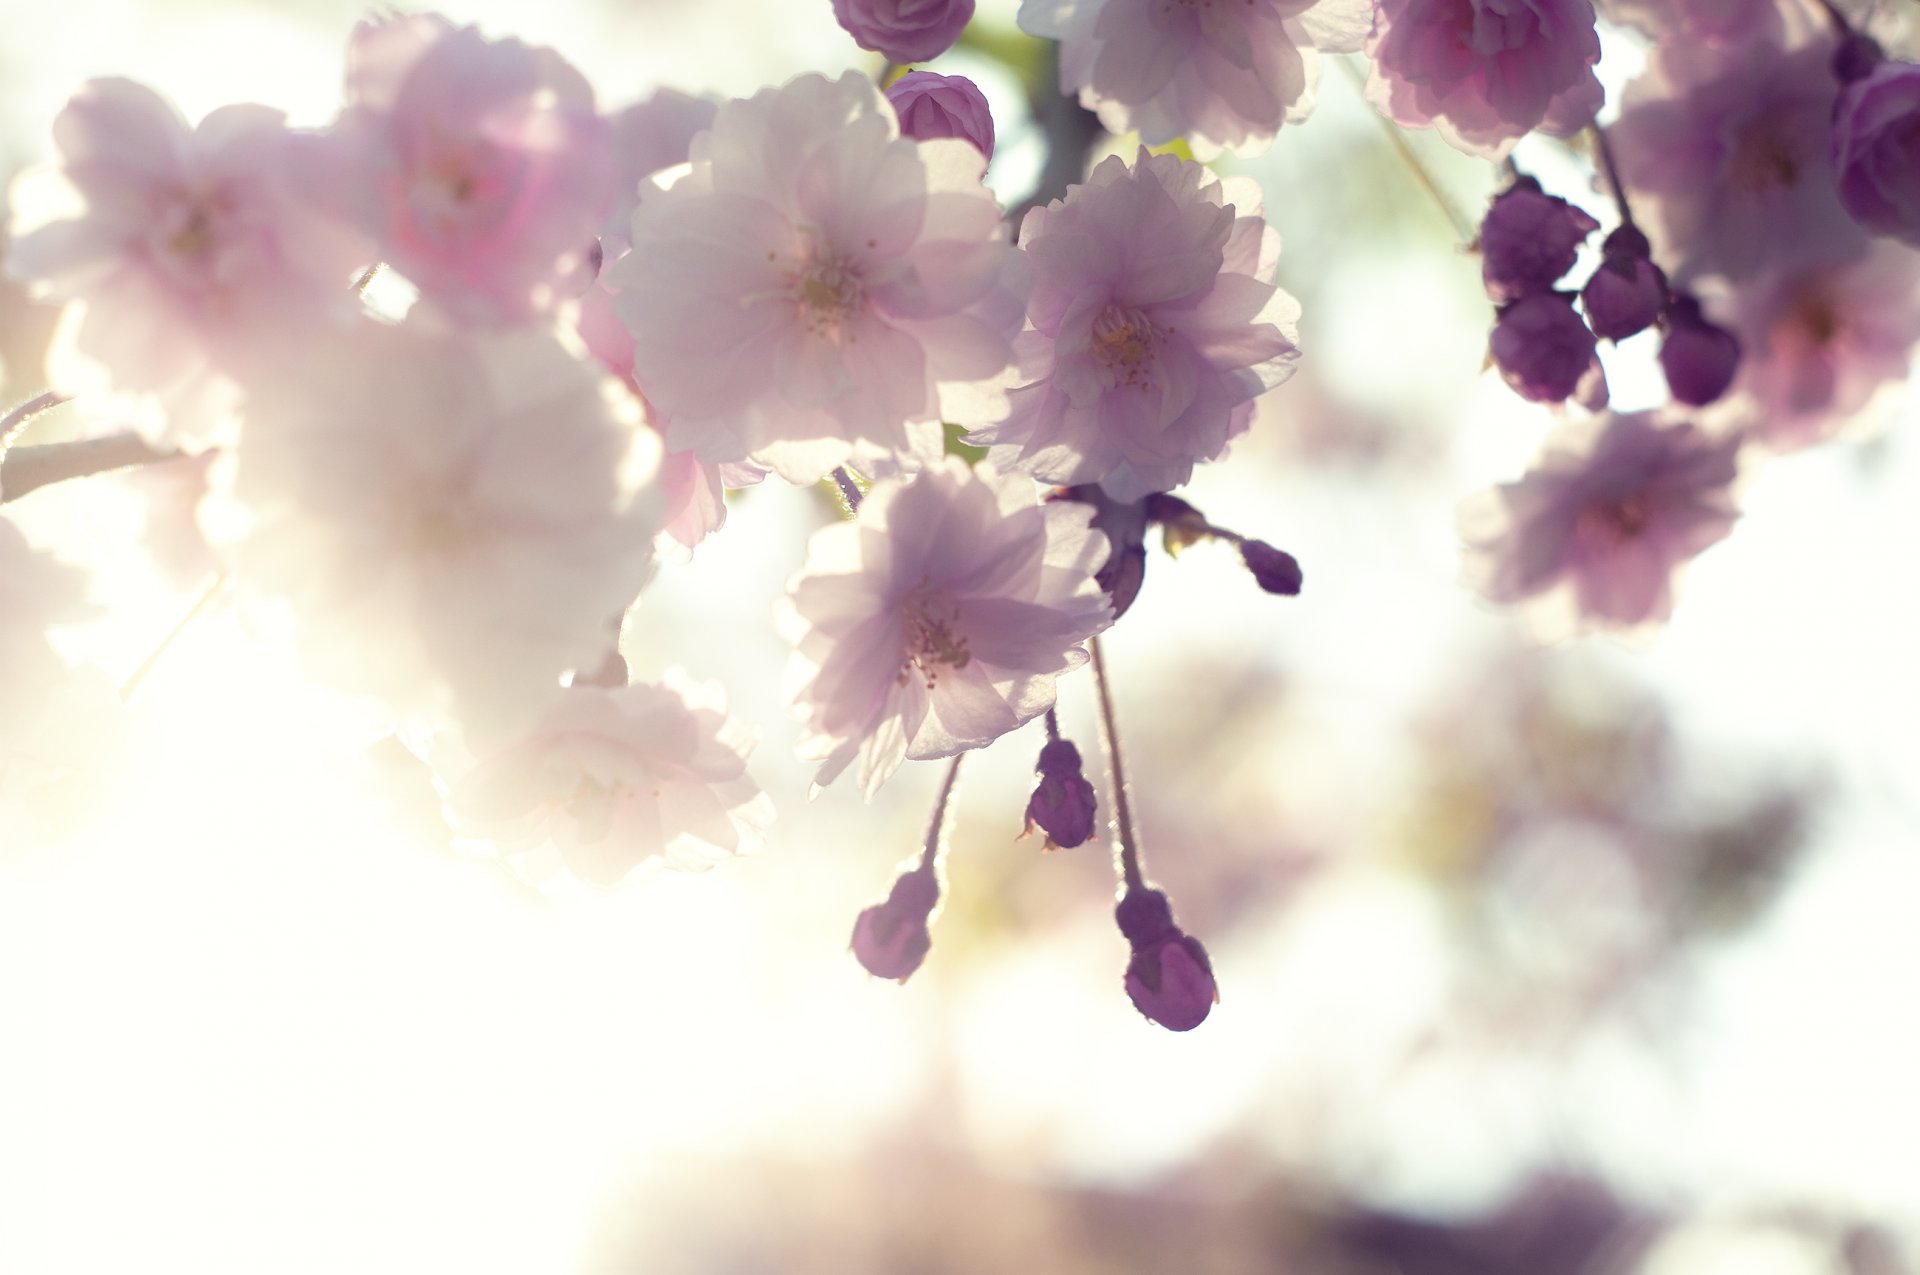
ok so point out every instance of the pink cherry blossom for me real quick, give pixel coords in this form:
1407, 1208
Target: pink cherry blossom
1822, 345
904, 30
452, 519
618, 777
1609, 512
1876, 150
1225, 77
1485, 73
817, 285
1725, 151
1152, 327
937, 620
480, 166
176, 245
931, 106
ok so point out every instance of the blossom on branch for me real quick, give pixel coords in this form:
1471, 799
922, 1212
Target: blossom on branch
817, 285
937, 620
1152, 326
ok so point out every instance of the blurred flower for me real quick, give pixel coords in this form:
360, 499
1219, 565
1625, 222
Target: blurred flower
1876, 150
904, 30
1529, 239
891, 939
1545, 351
1699, 357
933, 106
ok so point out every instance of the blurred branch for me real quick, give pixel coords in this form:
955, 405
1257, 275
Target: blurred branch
25, 469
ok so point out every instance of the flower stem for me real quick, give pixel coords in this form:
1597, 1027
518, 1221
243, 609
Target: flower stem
24, 469
1126, 854
940, 829
13, 422
200, 604
1053, 725
1413, 162
1607, 166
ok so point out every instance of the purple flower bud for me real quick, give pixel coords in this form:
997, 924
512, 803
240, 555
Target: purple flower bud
931, 106
904, 30
1062, 806
1855, 57
1698, 357
1145, 916
1628, 293
1274, 570
1528, 240
1546, 353
891, 938
1876, 150
1171, 982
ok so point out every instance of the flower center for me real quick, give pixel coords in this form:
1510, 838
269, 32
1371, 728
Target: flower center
1764, 156
827, 294
1124, 341
1604, 525
929, 617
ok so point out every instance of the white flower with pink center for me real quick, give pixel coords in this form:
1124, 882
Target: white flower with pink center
176, 246
817, 286
1152, 325
1224, 74
481, 166
617, 778
937, 620
453, 519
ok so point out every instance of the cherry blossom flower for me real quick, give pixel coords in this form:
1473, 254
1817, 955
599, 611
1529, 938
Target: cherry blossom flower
1485, 73
1152, 327
1225, 77
177, 245
480, 166
937, 620
617, 777
452, 519
904, 30
1546, 352
931, 106
1875, 152
1725, 150
1613, 507
816, 284
1529, 239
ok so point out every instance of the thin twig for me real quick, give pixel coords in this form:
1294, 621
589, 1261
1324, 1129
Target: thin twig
25, 469
200, 604
941, 825
1441, 200
1126, 853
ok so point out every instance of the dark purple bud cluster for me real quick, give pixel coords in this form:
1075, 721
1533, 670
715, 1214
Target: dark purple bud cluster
1169, 978
1529, 240
1062, 806
1628, 293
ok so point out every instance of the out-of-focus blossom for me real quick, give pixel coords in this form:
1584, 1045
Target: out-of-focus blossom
817, 284
1698, 19
891, 938
1613, 507
931, 106
1698, 356
453, 518
1152, 327
1224, 76
177, 245
617, 777
937, 620
1725, 150
1529, 239
904, 30
1169, 978
1876, 150
480, 166
1062, 806
1485, 73
648, 136
1545, 351
1822, 345
1627, 293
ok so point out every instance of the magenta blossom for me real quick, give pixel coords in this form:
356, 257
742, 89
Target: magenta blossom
931, 106
180, 247
937, 620
904, 30
1876, 150
1485, 73
1152, 327
1529, 239
1225, 76
1613, 507
1546, 352
481, 166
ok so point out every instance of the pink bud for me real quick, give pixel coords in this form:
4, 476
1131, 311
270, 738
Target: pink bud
891, 939
1699, 357
904, 30
1171, 982
931, 106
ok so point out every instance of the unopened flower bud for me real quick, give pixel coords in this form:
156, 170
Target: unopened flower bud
1627, 294
1274, 570
1699, 357
1855, 57
1529, 240
931, 105
1063, 805
1547, 353
891, 939
1169, 978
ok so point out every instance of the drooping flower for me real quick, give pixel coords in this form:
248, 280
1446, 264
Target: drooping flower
1627, 293
1224, 76
452, 518
480, 166
1545, 351
1698, 356
1876, 149
1152, 326
1169, 978
904, 30
1529, 239
937, 620
615, 778
176, 246
1603, 520
817, 284
1485, 73
931, 106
